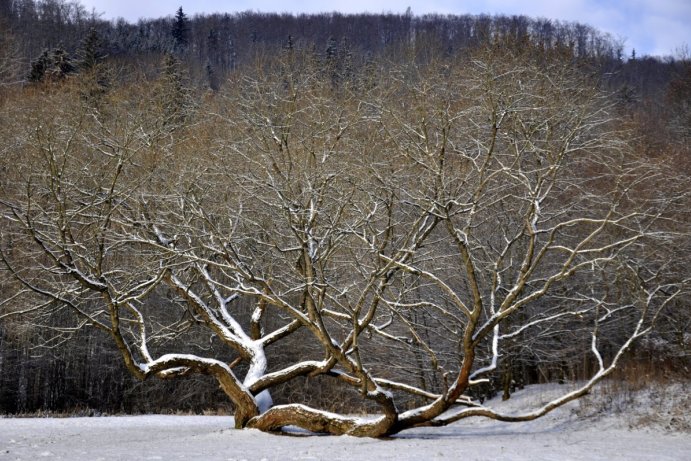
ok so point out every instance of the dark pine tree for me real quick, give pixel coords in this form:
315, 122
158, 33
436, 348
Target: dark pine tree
92, 51
173, 94
39, 68
62, 64
96, 78
180, 31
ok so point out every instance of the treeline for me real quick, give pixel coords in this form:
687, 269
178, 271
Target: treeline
54, 37
224, 42
183, 64
40, 24
56, 33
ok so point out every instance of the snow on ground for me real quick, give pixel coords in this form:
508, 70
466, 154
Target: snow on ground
596, 430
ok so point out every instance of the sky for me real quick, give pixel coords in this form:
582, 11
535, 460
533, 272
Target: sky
651, 27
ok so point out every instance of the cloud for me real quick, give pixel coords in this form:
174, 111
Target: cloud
671, 42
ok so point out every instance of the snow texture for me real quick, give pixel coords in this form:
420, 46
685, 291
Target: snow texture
559, 435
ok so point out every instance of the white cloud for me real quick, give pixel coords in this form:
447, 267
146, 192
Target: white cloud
676, 35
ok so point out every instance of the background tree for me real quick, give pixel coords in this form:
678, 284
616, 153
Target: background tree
172, 92
91, 53
9, 57
39, 68
180, 31
51, 67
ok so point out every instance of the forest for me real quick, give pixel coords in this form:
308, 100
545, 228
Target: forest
293, 219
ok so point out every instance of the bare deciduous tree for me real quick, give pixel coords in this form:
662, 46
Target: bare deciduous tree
398, 239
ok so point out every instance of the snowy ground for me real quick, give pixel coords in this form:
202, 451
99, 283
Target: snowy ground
643, 427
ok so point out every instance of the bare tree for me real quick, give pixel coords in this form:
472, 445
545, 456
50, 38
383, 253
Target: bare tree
396, 238
9, 58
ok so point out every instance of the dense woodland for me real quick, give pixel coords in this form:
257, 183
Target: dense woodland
244, 124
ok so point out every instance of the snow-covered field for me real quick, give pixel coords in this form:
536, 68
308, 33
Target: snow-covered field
644, 427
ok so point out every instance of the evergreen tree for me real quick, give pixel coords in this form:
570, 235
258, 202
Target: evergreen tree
211, 77
331, 50
52, 67
173, 95
61, 64
180, 31
95, 76
39, 68
91, 52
